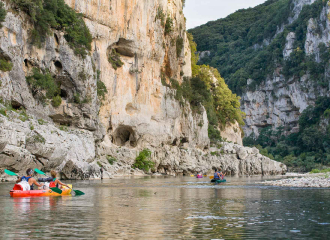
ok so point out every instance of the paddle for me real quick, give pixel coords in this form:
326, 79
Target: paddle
10, 173
40, 172
57, 190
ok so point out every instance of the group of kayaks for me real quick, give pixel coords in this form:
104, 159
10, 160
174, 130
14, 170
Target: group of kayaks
18, 190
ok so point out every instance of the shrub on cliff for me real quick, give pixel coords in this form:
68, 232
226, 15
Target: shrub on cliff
42, 84
47, 14
114, 59
2, 13
168, 25
5, 65
101, 88
179, 46
160, 15
143, 161
57, 100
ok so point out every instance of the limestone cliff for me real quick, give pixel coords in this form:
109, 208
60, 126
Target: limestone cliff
279, 101
137, 112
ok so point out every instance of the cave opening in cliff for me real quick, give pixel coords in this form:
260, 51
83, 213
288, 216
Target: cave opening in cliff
16, 105
63, 94
58, 65
124, 136
125, 47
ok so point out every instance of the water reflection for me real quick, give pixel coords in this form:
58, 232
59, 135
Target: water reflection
168, 208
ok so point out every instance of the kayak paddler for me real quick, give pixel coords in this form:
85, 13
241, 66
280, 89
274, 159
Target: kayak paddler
53, 182
29, 179
56, 182
216, 175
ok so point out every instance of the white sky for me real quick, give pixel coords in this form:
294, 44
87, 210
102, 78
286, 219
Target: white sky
199, 12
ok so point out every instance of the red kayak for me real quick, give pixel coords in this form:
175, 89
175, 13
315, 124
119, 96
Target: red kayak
18, 192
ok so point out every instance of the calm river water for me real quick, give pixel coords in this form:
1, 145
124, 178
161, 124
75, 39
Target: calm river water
169, 208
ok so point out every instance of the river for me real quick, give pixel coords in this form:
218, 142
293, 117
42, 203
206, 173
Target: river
169, 208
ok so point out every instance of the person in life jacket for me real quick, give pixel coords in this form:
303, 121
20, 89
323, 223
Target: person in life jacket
29, 179
218, 175
56, 182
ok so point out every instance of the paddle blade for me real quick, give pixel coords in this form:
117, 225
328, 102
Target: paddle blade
57, 190
78, 192
40, 172
10, 173
211, 177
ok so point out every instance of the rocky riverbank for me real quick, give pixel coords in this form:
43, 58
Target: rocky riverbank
306, 180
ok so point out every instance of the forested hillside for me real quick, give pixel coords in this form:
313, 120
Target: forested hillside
267, 55
242, 46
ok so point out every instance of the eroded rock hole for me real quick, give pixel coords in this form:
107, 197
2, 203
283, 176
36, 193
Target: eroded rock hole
63, 94
28, 64
58, 65
125, 136
174, 143
16, 105
124, 47
56, 39
184, 140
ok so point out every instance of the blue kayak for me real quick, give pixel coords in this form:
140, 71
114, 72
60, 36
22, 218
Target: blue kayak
218, 180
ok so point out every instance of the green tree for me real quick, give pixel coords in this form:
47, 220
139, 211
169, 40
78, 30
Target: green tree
56, 14
143, 161
2, 13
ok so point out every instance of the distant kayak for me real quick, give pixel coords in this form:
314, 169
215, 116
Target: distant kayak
199, 176
16, 192
218, 181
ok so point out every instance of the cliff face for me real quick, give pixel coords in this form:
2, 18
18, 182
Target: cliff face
279, 101
137, 111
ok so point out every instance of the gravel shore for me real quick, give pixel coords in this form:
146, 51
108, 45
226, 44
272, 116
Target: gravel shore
306, 180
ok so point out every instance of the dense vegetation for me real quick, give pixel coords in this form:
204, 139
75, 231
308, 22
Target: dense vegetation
2, 13
5, 64
143, 161
208, 88
114, 59
307, 149
44, 87
47, 14
101, 89
239, 51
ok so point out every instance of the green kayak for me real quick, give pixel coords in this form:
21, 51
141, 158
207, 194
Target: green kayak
218, 181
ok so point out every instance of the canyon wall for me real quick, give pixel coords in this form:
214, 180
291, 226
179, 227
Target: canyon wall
278, 102
137, 112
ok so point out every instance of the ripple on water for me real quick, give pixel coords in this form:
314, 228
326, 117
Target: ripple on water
206, 217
